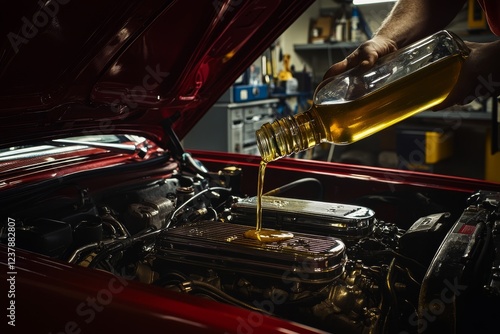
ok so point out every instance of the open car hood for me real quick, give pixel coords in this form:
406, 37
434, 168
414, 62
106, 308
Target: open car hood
69, 68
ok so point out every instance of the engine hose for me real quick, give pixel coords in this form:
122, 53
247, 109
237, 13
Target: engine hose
171, 276
210, 289
295, 183
121, 245
401, 257
389, 307
409, 274
313, 299
105, 253
125, 243
183, 205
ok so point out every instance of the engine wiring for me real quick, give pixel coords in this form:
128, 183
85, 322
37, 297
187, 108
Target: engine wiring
122, 244
171, 219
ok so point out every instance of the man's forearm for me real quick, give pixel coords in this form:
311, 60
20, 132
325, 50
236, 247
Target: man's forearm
411, 20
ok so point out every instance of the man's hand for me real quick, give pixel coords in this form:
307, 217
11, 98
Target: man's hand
479, 77
364, 56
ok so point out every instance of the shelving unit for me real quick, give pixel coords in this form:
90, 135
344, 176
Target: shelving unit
325, 46
234, 126
321, 56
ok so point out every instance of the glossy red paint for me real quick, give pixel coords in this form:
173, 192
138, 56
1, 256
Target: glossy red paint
28, 171
348, 179
71, 67
73, 299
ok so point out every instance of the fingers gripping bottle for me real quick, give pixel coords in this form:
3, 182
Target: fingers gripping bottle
355, 104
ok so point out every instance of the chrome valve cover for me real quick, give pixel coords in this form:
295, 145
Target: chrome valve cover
304, 258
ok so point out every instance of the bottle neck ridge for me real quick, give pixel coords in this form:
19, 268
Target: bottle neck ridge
285, 136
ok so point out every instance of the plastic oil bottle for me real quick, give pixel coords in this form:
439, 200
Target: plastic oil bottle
355, 105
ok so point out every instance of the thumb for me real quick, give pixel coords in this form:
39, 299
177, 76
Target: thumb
337, 68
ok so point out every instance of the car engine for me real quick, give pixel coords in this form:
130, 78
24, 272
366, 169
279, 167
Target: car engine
344, 271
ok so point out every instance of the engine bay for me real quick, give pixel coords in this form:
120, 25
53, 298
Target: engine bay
346, 270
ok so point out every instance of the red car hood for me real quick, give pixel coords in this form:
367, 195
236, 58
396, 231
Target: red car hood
82, 67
